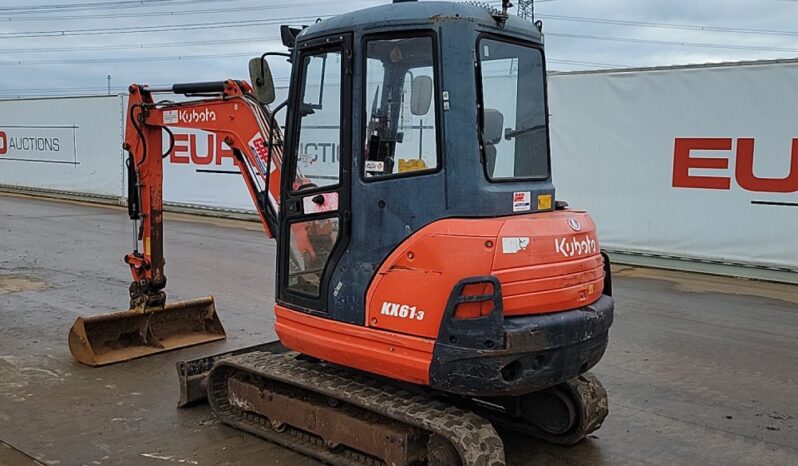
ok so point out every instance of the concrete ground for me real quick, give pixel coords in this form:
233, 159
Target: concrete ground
700, 369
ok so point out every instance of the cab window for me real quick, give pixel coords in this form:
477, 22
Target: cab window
401, 133
513, 125
318, 149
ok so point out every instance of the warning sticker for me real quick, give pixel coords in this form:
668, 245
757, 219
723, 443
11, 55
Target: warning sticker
513, 244
544, 201
372, 166
170, 117
522, 201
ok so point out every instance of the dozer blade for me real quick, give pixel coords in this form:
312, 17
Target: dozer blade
121, 336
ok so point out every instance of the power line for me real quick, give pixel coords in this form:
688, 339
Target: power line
126, 59
224, 55
82, 6
686, 27
268, 38
217, 55
158, 28
141, 46
659, 25
176, 13
674, 43
72, 91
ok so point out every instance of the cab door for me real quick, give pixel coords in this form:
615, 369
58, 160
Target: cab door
315, 206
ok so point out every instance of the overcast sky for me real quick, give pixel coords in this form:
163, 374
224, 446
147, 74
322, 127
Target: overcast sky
63, 47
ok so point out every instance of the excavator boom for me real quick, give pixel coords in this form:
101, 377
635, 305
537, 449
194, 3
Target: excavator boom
152, 325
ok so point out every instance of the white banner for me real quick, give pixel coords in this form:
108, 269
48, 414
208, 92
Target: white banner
201, 171
68, 144
698, 162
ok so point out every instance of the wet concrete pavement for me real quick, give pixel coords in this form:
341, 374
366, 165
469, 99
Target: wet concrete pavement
700, 369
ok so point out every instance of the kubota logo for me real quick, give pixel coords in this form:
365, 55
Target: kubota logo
570, 247
3, 142
171, 117
197, 117
744, 175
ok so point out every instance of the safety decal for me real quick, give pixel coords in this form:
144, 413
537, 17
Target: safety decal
170, 117
522, 201
373, 166
317, 203
513, 244
544, 201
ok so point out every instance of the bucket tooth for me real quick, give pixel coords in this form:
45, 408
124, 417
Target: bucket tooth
121, 336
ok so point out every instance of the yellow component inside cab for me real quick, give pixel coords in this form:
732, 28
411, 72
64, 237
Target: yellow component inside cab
411, 165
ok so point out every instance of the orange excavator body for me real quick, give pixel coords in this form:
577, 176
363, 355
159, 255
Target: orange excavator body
418, 239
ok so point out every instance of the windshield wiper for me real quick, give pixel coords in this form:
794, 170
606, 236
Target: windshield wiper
510, 134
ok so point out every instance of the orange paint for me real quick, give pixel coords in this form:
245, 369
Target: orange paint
558, 270
388, 354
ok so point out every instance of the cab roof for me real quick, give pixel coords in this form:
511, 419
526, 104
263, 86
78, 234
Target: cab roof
414, 14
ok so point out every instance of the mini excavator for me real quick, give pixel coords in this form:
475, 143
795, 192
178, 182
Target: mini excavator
430, 290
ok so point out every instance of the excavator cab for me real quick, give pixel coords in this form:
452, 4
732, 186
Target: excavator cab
419, 241
418, 236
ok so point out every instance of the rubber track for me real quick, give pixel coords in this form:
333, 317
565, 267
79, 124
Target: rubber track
590, 396
474, 438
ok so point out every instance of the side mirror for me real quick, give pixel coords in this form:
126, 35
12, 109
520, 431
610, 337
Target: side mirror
420, 95
261, 79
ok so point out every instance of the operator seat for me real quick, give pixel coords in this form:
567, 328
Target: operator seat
492, 135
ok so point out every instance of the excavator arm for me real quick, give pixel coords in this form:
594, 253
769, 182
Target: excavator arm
238, 119
151, 325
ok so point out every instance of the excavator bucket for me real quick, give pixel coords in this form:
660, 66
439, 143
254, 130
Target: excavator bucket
120, 336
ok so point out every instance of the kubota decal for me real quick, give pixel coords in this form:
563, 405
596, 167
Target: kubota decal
573, 246
171, 117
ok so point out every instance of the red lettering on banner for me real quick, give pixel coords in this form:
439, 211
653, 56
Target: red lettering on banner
750, 182
683, 162
743, 169
181, 147
3, 142
187, 151
223, 152
209, 150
